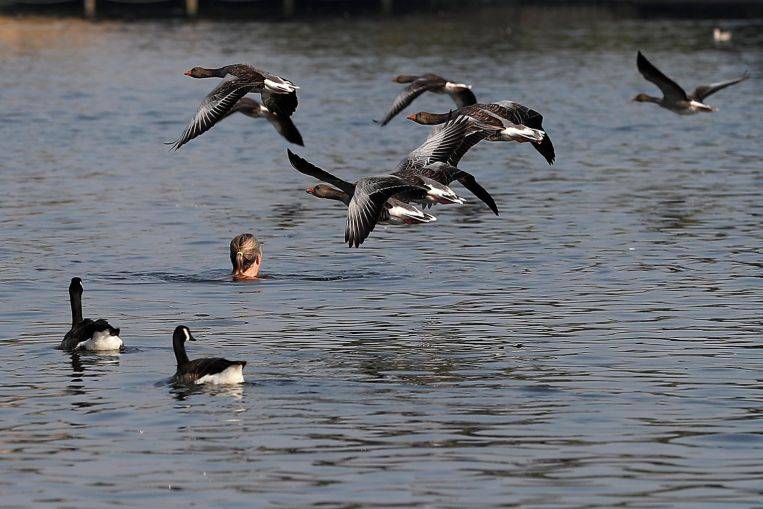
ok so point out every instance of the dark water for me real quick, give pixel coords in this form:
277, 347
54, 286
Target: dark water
597, 345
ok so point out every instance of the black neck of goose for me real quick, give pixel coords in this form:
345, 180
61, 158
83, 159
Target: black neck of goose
178, 344
75, 300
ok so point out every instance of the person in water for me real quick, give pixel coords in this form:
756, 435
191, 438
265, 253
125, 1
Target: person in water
245, 256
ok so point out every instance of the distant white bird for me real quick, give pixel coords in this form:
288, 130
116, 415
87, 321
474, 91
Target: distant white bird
721, 35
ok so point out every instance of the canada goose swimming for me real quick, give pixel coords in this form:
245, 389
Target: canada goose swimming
460, 93
245, 256
512, 122
278, 95
721, 35
675, 98
202, 371
86, 334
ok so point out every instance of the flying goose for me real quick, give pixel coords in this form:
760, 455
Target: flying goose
278, 95
512, 121
86, 334
459, 92
394, 212
675, 98
368, 196
202, 371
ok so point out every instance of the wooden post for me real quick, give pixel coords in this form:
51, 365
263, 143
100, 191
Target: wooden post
191, 7
89, 8
288, 7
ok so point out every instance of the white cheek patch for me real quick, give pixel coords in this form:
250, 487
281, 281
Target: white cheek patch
187, 334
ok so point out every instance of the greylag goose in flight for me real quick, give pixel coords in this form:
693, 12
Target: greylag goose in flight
512, 122
86, 334
245, 256
282, 124
428, 165
675, 98
460, 93
278, 95
394, 212
202, 371
368, 196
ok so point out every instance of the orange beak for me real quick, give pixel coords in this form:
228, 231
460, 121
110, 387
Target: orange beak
187, 73
310, 190
411, 117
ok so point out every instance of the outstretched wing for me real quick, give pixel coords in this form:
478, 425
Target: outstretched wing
406, 97
442, 141
703, 91
286, 128
280, 104
469, 182
371, 193
214, 108
307, 168
670, 88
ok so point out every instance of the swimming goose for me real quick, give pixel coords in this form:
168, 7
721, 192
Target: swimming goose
721, 35
282, 124
394, 212
86, 334
368, 196
245, 256
278, 95
675, 98
202, 371
459, 92
513, 121
427, 165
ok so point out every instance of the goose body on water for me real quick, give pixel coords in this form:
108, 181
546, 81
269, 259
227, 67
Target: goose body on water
512, 122
675, 98
202, 371
460, 93
85, 333
278, 94
245, 256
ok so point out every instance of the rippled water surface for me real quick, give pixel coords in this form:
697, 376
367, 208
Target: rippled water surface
596, 345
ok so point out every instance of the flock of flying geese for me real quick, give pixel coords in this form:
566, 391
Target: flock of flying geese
420, 178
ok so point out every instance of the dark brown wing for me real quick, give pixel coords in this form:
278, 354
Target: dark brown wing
406, 97
214, 108
280, 104
670, 88
198, 368
368, 202
703, 91
308, 168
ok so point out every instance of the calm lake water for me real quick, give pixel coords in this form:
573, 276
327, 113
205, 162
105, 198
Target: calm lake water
596, 345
